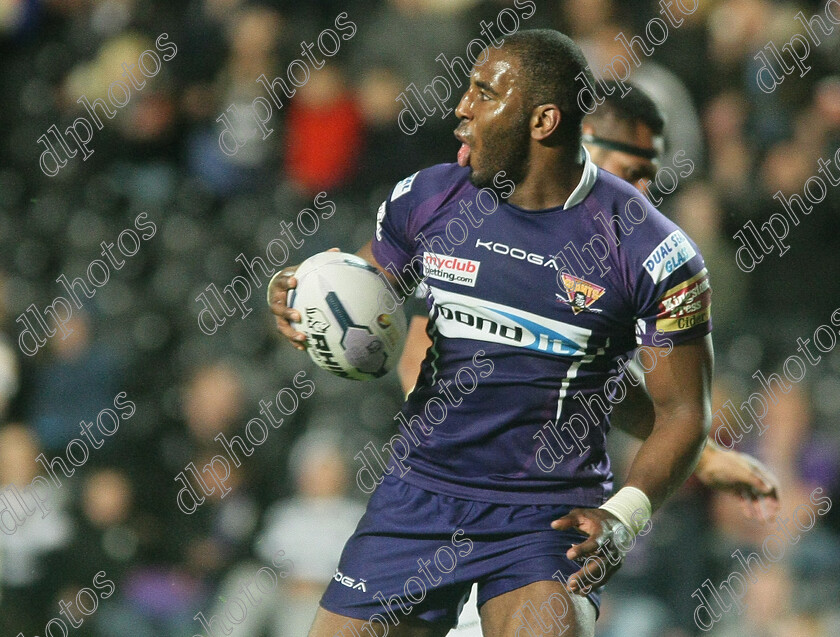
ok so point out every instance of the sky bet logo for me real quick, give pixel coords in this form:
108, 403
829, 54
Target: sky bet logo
452, 269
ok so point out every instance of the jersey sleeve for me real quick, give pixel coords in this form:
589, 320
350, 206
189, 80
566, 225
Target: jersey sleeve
392, 241
673, 293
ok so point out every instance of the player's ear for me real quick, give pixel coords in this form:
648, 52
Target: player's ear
545, 119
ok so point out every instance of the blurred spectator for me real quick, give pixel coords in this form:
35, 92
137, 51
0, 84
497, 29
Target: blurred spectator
28, 584
73, 382
395, 23
311, 528
324, 134
253, 34
9, 376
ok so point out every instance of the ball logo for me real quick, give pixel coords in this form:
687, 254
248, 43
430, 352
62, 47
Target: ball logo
316, 321
323, 355
384, 321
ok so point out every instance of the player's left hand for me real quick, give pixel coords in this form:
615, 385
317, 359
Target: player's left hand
743, 475
602, 549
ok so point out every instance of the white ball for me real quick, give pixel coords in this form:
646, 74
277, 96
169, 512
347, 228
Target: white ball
354, 327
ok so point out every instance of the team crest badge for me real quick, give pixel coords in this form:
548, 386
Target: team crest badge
580, 294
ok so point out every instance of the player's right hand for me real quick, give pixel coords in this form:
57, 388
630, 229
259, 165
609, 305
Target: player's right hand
278, 291
601, 554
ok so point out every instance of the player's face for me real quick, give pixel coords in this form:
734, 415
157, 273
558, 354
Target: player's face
494, 128
633, 169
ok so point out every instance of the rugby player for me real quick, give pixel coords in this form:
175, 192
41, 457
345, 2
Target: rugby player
624, 136
548, 360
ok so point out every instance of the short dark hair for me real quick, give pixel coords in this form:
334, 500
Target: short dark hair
635, 107
551, 61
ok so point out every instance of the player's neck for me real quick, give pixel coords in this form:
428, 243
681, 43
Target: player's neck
547, 184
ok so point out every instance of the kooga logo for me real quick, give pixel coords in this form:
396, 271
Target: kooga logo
517, 253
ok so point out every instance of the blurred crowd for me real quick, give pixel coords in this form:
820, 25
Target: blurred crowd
339, 134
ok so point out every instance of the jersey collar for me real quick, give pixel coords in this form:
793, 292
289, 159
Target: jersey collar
587, 181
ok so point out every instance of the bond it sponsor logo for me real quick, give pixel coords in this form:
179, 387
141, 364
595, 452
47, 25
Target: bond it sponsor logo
685, 305
452, 269
674, 251
461, 316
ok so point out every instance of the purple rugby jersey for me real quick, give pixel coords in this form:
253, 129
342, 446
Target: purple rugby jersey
556, 299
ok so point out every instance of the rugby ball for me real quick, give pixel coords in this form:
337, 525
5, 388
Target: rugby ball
354, 326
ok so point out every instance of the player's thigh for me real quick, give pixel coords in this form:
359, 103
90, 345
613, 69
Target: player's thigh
329, 624
541, 609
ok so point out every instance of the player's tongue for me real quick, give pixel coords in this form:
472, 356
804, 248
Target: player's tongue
464, 155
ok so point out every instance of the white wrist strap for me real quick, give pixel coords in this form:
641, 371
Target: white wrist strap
631, 506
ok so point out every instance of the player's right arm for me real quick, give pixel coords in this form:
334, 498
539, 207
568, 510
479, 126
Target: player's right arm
284, 280
277, 296
393, 242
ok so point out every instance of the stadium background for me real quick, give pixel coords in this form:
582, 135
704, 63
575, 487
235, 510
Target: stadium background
139, 334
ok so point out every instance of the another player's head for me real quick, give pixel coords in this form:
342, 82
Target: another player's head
521, 104
624, 135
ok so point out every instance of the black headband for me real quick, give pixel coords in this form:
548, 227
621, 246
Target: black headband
630, 149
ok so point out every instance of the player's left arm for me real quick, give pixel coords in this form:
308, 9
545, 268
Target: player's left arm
680, 390
671, 296
718, 468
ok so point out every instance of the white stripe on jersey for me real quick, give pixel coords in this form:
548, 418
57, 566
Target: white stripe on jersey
572, 372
